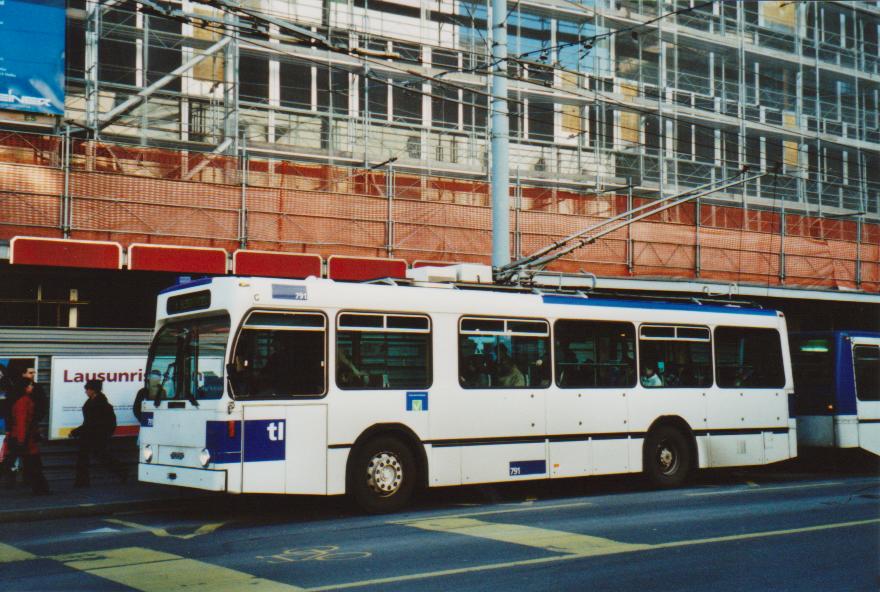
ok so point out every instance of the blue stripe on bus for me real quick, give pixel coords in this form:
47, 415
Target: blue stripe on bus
845, 395
223, 441
552, 299
184, 286
262, 440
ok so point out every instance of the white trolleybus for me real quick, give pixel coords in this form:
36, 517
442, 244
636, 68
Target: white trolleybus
374, 390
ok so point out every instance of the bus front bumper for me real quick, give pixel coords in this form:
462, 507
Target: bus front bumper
182, 476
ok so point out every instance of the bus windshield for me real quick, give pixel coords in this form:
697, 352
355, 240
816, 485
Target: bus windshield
187, 360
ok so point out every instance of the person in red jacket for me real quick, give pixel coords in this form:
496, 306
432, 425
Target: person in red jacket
24, 437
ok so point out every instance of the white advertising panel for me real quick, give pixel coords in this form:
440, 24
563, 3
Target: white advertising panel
122, 376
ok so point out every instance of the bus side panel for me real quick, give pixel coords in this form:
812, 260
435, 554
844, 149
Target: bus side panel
736, 450
740, 410
846, 431
337, 462
504, 462
610, 456
775, 447
869, 436
306, 444
444, 466
570, 459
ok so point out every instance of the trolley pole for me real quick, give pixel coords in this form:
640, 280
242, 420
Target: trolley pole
500, 173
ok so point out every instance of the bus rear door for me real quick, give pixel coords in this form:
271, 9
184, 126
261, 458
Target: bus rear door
866, 368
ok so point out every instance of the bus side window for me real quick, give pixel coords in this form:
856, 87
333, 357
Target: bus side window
503, 353
594, 354
748, 358
866, 365
674, 356
383, 351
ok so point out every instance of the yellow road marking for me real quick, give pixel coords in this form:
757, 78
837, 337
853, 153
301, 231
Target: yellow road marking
610, 550
9, 554
161, 532
555, 541
764, 489
510, 510
155, 571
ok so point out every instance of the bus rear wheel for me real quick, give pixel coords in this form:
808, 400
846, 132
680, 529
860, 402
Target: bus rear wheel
667, 457
382, 475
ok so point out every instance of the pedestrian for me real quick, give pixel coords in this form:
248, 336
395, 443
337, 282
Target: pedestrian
99, 423
24, 437
41, 401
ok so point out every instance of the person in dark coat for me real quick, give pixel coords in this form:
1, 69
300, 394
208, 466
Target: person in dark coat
24, 437
99, 423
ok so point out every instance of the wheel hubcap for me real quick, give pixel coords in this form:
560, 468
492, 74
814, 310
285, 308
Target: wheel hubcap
384, 473
667, 458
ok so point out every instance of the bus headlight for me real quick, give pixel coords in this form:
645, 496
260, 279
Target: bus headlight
148, 453
204, 457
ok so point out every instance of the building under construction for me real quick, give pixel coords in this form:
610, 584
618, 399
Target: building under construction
350, 139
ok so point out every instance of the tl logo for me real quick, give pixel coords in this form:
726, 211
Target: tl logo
275, 431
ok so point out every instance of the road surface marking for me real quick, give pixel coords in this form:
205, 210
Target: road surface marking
765, 489
161, 532
154, 571
509, 510
610, 550
555, 541
10, 554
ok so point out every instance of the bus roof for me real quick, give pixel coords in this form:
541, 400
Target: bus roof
277, 286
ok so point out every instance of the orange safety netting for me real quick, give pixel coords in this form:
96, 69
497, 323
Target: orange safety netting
131, 194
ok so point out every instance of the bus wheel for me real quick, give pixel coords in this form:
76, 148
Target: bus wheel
667, 457
383, 475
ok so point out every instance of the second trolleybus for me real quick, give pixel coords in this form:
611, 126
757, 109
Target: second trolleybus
374, 390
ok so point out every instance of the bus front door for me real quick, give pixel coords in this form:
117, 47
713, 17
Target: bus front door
264, 451
866, 368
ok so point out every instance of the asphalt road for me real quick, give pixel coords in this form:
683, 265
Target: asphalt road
765, 529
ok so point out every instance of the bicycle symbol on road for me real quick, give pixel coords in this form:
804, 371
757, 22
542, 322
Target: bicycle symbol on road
323, 553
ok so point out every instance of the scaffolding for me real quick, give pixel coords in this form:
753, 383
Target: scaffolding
56, 186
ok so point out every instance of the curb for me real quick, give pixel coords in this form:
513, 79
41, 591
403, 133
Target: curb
90, 509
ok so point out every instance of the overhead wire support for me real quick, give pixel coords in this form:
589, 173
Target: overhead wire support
535, 262
500, 138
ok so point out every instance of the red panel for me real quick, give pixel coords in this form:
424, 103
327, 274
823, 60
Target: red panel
423, 263
169, 258
364, 268
25, 250
285, 265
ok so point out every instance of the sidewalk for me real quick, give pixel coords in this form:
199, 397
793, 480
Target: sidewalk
104, 497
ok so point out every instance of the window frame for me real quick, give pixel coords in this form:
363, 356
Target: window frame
429, 382
635, 339
506, 333
242, 327
855, 373
675, 338
746, 330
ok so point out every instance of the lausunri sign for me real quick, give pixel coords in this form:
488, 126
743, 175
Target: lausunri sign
122, 377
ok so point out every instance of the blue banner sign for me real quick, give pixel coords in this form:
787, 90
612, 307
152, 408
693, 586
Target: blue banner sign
32, 55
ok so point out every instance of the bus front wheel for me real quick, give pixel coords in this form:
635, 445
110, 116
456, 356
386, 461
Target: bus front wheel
667, 457
383, 475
